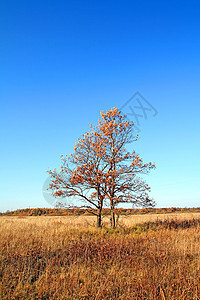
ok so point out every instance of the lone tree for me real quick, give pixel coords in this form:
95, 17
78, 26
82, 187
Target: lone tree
102, 171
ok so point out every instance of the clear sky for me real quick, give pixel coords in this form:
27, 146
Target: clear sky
62, 62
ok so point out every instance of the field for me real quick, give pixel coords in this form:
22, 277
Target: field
146, 257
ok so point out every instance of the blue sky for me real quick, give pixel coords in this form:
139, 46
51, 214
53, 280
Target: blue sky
62, 62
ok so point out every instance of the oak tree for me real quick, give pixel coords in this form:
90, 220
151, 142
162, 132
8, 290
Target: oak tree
101, 171
82, 175
124, 168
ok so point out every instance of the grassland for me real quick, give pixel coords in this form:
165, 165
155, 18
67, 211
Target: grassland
147, 257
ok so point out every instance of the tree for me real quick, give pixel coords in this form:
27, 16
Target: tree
124, 184
101, 171
82, 175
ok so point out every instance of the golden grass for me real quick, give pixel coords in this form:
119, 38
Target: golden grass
68, 258
77, 221
131, 220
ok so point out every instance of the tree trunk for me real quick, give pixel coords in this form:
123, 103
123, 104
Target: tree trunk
112, 219
99, 221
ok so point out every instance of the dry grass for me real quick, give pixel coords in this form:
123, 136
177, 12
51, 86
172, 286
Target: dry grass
68, 258
131, 220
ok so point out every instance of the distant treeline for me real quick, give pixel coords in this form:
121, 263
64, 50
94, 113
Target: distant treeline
77, 211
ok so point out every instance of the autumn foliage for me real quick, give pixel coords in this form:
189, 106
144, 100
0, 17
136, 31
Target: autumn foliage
101, 172
105, 211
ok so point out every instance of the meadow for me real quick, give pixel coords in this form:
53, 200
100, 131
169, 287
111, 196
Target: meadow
66, 257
